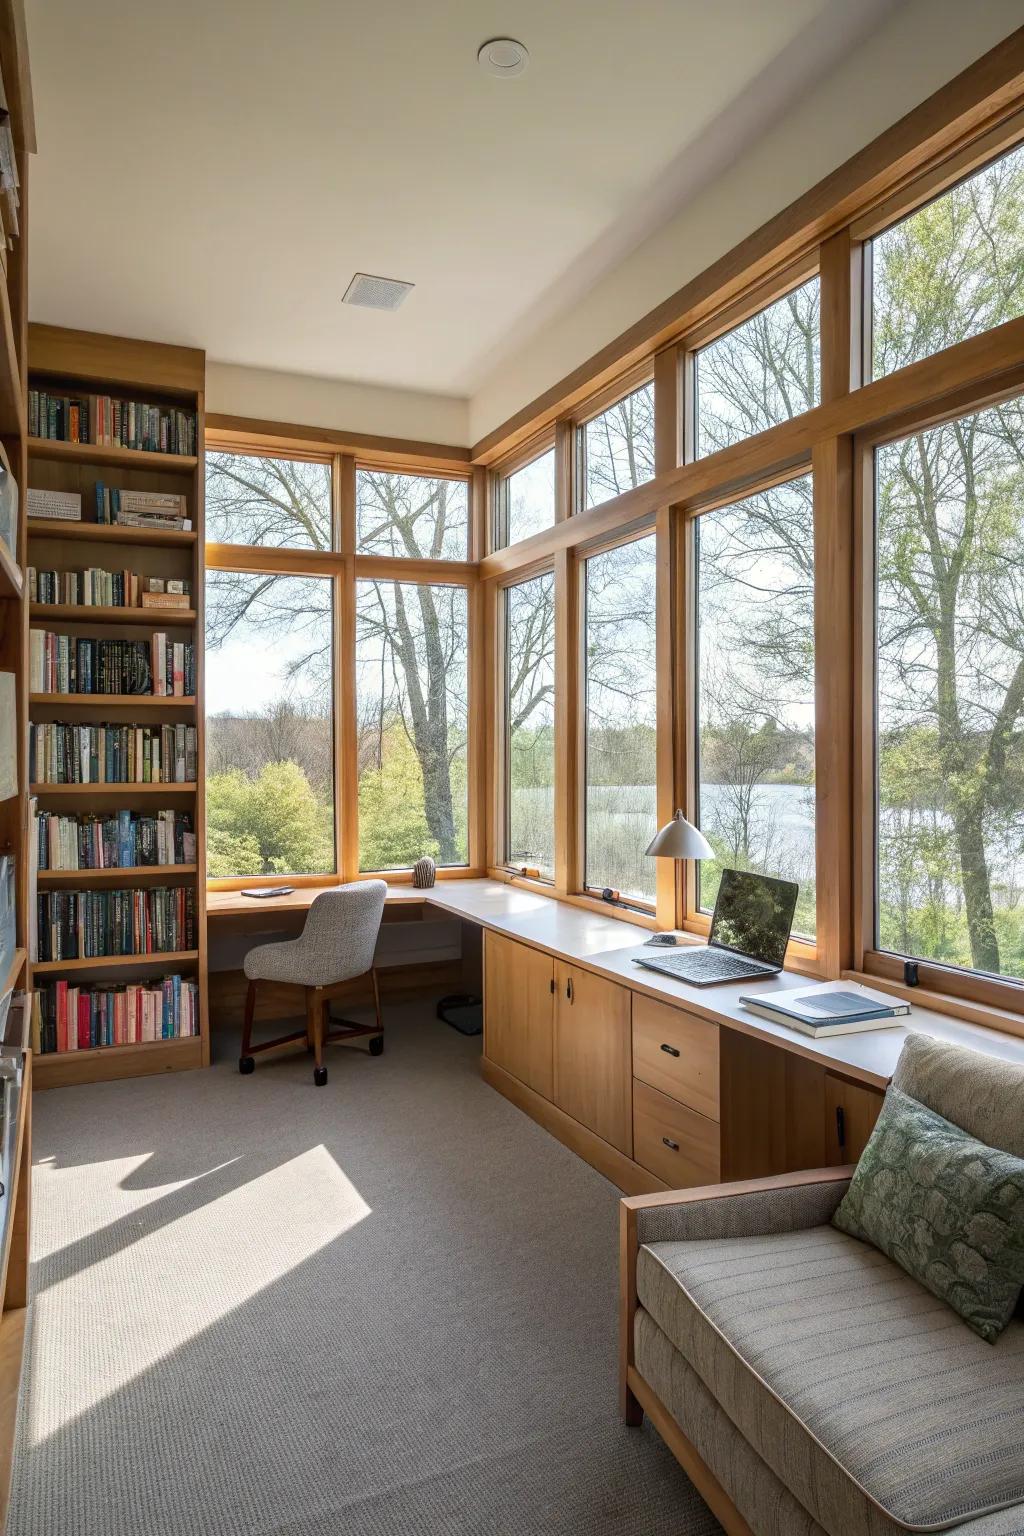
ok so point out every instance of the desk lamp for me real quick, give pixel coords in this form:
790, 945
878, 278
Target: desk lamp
678, 839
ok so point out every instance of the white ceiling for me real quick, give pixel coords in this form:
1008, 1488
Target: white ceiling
212, 172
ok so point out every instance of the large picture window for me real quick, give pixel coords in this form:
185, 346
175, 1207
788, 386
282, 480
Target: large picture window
951, 270
760, 374
755, 611
530, 725
616, 449
273, 503
412, 721
950, 693
269, 725
621, 808
416, 517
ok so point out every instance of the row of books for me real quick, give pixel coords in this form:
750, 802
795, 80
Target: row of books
98, 588
63, 753
110, 422
66, 1017
141, 509
123, 840
70, 664
88, 925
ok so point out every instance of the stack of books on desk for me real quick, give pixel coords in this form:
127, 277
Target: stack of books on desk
829, 1008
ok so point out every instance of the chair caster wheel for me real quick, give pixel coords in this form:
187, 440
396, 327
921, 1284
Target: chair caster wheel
320, 1076
377, 1045
246, 1065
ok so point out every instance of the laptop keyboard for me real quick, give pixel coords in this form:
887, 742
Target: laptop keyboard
710, 965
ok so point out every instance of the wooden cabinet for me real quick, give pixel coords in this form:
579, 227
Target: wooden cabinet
851, 1110
677, 1053
674, 1142
592, 1074
519, 1011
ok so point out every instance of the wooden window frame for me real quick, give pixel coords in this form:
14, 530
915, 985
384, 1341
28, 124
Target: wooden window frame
499, 476
499, 866
605, 400
959, 982
345, 568
633, 905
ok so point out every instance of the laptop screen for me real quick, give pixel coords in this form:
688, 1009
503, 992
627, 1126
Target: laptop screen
754, 915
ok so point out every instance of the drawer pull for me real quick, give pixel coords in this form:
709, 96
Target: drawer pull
670, 1050
673, 1146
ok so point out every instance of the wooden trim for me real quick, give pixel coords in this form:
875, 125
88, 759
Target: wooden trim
109, 363
347, 724
771, 1181
104, 1064
343, 481
568, 677
990, 1014
976, 153
668, 717
842, 287
566, 487
327, 563
247, 434
600, 1154
478, 763
988, 363
987, 92
833, 701
668, 410
759, 297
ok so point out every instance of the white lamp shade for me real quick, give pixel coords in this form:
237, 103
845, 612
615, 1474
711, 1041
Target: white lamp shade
680, 839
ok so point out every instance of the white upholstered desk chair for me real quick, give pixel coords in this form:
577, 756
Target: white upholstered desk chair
335, 946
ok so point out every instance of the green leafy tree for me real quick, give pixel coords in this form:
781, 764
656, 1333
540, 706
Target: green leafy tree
269, 824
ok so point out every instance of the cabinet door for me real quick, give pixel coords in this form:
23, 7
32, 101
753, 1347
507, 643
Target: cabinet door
518, 1011
593, 1061
851, 1110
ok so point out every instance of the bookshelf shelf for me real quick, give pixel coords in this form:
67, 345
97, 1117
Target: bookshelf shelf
11, 580
108, 533
12, 385
92, 613
70, 364
58, 1069
130, 790
162, 960
130, 874
115, 700
114, 456
13, 971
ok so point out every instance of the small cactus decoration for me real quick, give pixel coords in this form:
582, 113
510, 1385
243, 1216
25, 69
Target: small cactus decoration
424, 872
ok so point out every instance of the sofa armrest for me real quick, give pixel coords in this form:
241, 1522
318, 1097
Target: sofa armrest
751, 1208
785, 1202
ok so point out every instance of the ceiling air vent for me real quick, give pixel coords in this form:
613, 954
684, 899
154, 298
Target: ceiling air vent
376, 292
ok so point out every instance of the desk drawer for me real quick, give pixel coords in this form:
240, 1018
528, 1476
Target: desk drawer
676, 1143
677, 1053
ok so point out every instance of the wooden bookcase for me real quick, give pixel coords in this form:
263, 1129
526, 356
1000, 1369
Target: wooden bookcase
68, 362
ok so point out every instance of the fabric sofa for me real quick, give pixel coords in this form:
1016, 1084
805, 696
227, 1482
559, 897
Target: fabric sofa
805, 1382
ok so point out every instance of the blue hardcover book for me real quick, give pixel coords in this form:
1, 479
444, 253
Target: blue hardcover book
125, 851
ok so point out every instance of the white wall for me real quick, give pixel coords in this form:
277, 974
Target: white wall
917, 49
339, 403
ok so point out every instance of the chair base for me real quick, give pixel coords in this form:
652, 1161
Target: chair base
320, 1030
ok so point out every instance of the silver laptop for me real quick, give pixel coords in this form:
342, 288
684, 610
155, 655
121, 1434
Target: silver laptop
750, 929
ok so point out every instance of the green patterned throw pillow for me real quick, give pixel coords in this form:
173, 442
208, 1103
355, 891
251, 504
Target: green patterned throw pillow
946, 1208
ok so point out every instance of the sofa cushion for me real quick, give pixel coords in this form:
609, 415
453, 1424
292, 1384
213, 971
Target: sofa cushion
864, 1394
946, 1207
980, 1093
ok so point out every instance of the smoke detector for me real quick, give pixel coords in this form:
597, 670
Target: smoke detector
504, 57
376, 292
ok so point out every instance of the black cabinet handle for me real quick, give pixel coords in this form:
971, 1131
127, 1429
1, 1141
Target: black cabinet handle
840, 1125
673, 1146
670, 1050
568, 988
552, 984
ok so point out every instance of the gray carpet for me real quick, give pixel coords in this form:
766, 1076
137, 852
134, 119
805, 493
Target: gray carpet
384, 1306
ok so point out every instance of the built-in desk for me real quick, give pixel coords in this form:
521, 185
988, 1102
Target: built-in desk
550, 1040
